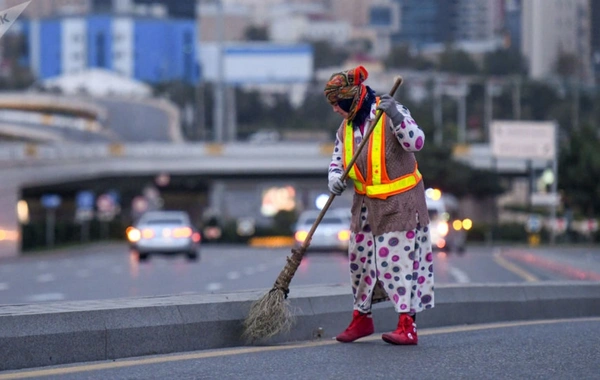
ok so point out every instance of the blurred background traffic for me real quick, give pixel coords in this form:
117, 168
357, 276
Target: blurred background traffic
113, 108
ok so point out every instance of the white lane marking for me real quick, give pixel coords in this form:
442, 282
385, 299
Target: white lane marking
249, 271
233, 275
3, 286
46, 277
83, 273
214, 286
460, 276
45, 297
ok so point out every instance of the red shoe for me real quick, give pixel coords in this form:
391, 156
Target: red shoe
361, 326
405, 334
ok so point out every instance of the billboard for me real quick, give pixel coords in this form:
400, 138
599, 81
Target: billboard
257, 63
523, 139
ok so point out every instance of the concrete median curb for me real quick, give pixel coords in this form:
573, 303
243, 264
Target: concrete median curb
70, 332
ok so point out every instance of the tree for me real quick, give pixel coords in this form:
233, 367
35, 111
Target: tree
503, 62
457, 61
401, 57
440, 170
579, 170
539, 99
567, 65
327, 55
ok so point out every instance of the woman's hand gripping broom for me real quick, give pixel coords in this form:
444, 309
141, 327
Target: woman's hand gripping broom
271, 314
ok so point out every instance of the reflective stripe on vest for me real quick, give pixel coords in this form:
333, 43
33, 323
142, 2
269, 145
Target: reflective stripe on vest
378, 184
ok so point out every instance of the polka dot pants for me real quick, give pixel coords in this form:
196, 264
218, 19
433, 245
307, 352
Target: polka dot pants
401, 261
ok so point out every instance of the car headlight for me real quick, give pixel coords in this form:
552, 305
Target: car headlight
343, 235
467, 224
457, 225
442, 228
147, 233
300, 236
133, 234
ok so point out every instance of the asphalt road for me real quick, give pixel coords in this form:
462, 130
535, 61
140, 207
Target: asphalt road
106, 271
559, 349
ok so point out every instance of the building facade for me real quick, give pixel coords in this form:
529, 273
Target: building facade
147, 49
551, 28
424, 22
512, 23
595, 38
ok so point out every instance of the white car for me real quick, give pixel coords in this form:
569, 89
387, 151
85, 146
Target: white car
164, 232
448, 233
332, 233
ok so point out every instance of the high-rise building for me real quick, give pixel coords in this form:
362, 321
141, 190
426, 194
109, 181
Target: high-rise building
595, 38
153, 50
476, 20
552, 28
185, 9
425, 22
512, 23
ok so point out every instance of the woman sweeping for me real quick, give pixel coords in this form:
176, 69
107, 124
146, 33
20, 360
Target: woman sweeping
390, 241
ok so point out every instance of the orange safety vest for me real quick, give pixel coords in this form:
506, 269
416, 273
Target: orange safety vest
377, 183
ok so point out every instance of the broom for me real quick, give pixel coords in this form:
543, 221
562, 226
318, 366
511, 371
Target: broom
271, 314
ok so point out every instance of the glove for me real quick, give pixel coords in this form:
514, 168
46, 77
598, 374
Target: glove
389, 106
337, 186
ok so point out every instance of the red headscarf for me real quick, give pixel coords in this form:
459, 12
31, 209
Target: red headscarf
348, 85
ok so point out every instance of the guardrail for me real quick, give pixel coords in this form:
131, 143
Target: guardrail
17, 153
49, 120
31, 152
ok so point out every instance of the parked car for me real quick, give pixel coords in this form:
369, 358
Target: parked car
447, 230
164, 232
332, 233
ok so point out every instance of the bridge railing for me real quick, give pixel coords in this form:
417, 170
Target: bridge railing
477, 155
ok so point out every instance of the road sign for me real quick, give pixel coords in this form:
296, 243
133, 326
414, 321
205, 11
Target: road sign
84, 200
139, 204
592, 225
523, 139
545, 199
534, 224
107, 207
560, 225
51, 201
105, 203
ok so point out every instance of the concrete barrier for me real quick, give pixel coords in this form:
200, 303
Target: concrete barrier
70, 332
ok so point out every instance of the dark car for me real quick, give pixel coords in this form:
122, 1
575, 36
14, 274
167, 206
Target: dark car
164, 232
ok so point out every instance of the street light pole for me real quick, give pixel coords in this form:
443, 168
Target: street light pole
488, 108
437, 114
219, 114
462, 118
516, 98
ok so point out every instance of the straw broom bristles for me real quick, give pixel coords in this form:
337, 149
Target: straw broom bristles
271, 314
